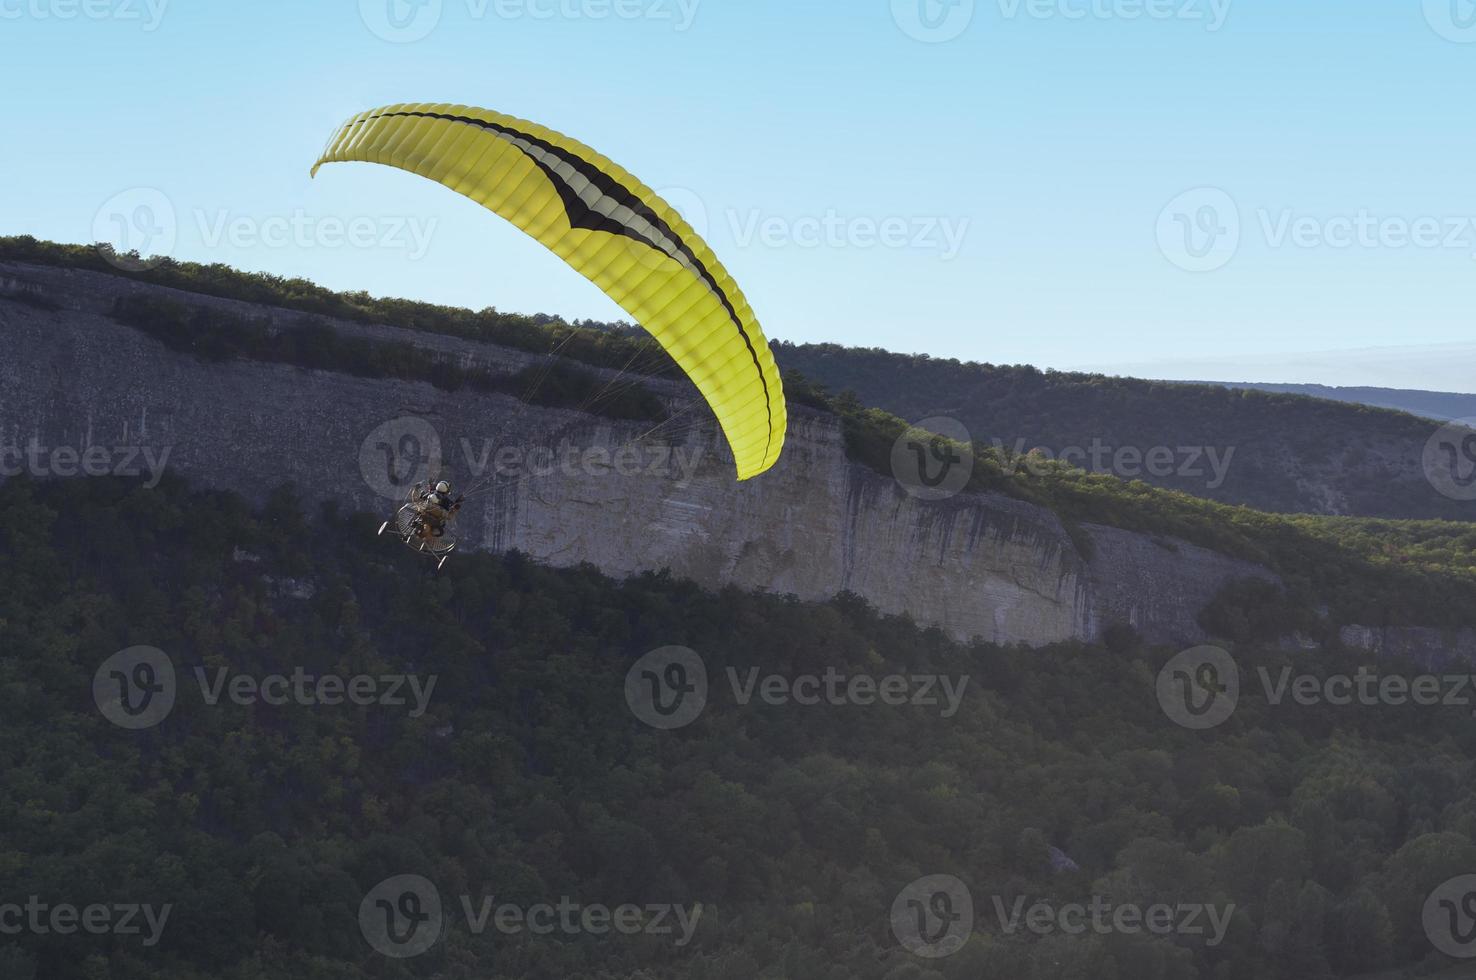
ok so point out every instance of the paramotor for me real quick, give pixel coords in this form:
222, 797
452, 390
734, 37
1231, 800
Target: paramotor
424, 525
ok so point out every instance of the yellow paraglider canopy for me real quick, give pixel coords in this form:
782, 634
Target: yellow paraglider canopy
609, 227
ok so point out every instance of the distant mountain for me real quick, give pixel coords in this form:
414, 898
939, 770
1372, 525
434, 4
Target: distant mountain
1236, 444
1436, 367
1442, 405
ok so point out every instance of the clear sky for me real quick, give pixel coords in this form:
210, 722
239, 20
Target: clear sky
1237, 189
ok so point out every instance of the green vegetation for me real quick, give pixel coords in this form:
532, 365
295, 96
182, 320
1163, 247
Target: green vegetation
1369, 572
217, 336
602, 345
1336, 570
529, 779
1285, 453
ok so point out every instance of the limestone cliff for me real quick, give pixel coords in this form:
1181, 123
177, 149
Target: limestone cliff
576, 487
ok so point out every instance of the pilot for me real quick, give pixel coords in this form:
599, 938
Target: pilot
437, 507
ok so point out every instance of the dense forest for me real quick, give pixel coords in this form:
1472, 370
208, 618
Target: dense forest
1276, 452
787, 831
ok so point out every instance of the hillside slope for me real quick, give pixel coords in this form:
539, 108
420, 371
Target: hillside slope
248, 395
1274, 452
1440, 405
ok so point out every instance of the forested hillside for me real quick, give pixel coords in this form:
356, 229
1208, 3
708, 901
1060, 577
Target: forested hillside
1442, 405
785, 831
1337, 572
1270, 451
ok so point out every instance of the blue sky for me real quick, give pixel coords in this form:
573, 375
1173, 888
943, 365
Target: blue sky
1237, 189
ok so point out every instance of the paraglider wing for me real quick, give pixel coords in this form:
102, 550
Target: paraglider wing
609, 227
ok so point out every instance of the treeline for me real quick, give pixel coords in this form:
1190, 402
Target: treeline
1291, 453
218, 336
599, 344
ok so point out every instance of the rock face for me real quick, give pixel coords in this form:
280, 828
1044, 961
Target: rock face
77, 386
1434, 649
